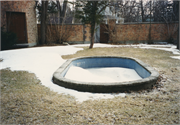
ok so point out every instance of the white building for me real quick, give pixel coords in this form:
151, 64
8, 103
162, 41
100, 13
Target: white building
110, 13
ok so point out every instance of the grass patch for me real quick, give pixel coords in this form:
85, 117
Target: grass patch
25, 101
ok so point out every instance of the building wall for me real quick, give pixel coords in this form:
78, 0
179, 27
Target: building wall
28, 7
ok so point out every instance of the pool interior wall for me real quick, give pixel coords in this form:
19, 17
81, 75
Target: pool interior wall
109, 62
148, 74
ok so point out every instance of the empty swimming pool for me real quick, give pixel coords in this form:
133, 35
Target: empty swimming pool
105, 74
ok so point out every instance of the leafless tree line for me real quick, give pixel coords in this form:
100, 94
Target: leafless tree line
139, 10
145, 11
53, 16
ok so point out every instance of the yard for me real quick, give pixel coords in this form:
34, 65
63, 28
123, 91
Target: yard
28, 98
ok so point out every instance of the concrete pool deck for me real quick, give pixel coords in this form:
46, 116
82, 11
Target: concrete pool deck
148, 74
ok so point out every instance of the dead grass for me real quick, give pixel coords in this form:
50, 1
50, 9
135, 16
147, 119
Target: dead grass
25, 101
1, 60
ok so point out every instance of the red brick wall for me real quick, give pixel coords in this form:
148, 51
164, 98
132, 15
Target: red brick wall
140, 32
28, 7
72, 33
87, 33
126, 33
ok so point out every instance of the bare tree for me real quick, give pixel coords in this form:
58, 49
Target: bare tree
111, 27
129, 10
61, 30
62, 9
150, 18
54, 14
43, 21
142, 10
166, 11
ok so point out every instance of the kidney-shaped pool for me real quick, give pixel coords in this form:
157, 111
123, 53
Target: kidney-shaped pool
105, 74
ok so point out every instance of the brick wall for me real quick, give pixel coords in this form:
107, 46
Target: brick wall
71, 33
28, 7
126, 33
87, 33
135, 33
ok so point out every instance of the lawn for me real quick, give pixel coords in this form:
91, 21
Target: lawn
25, 101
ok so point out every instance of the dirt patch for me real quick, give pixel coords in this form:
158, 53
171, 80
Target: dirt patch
25, 101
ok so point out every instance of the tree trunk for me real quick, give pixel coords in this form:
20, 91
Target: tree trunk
93, 23
46, 9
43, 24
92, 35
150, 40
62, 11
178, 40
142, 11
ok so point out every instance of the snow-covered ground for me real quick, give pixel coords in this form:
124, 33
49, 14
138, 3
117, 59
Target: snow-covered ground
43, 61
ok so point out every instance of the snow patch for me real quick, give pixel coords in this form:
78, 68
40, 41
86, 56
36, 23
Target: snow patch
102, 75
